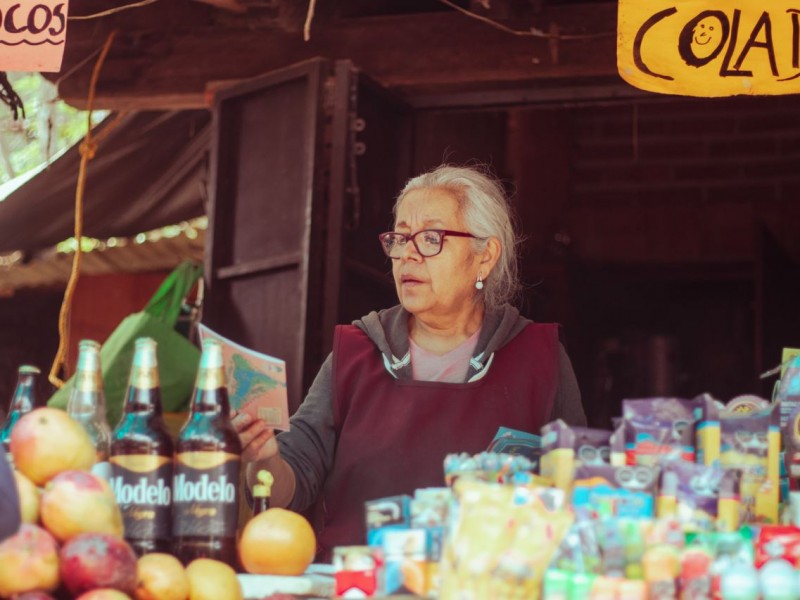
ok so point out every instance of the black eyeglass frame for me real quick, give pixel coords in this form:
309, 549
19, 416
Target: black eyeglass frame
412, 236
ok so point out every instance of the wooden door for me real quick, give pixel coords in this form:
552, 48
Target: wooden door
292, 195
266, 213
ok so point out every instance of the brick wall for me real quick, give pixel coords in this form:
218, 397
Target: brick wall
683, 180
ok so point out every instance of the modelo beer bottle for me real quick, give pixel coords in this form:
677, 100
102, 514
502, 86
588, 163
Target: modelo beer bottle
141, 458
23, 401
208, 453
87, 404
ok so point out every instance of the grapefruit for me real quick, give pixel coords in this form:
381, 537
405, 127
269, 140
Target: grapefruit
277, 542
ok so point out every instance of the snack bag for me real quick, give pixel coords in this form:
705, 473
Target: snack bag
670, 428
498, 548
702, 498
563, 445
751, 443
616, 491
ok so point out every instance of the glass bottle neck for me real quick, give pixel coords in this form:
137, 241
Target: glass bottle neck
87, 402
143, 401
211, 401
25, 394
144, 394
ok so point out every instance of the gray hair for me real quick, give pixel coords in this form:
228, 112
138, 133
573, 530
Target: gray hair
486, 213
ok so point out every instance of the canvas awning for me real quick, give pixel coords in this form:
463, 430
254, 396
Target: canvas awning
149, 172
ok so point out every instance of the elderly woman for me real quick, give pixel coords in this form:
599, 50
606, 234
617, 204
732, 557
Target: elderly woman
439, 373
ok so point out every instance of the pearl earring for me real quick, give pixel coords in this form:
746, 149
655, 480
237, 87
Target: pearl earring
479, 282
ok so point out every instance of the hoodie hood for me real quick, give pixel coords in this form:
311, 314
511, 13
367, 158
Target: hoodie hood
388, 330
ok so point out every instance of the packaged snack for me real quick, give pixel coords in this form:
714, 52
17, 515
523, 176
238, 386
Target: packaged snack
700, 497
406, 561
616, 491
612, 547
430, 511
789, 391
669, 428
733, 551
517, 443
579, 551
751, 443
563, 446
695, 576
358, 571
777, 541
385, 514
497, 548
661, 566
484, 466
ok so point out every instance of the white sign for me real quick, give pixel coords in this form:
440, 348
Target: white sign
32, 34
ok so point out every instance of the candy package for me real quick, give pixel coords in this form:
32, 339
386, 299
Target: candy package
672, 428
564, 446
702, 498
751, 443
616, 491
498, 548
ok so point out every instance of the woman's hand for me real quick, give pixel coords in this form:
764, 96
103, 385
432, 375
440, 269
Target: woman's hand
258, 440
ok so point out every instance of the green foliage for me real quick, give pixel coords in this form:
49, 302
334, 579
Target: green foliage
49, 127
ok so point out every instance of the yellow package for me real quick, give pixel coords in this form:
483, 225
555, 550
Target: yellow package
499, 547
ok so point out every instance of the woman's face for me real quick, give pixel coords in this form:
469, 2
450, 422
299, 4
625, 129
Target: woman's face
441, 285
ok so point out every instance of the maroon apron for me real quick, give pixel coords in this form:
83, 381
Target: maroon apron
393, 435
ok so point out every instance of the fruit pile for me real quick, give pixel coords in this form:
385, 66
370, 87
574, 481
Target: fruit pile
71, 541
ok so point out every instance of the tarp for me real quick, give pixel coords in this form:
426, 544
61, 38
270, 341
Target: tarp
149, 172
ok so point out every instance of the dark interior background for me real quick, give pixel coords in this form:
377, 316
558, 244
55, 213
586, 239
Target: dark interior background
661, 232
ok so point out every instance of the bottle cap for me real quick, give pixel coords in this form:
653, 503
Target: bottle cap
263, 489
29, 370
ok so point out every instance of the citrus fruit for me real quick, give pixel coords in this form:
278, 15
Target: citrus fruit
212, 580
277, 542
161, 577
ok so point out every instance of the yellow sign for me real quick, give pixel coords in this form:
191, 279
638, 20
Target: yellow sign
32, 35
700, 48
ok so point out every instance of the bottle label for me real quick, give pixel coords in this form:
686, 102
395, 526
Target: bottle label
88, 381
205, 493
142, 485
210, 379
144, 378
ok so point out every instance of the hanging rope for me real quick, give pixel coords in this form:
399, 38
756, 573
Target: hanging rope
87, 148
10, 97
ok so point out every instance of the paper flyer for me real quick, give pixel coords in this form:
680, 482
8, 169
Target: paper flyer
256, 382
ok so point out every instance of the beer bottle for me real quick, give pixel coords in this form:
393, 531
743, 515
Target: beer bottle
208, 453
87, 403
23, 401
141, 457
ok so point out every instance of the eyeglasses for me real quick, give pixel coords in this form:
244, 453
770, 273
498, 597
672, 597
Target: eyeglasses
428, 242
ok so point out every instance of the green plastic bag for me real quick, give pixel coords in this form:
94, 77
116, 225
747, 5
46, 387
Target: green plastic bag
178, 358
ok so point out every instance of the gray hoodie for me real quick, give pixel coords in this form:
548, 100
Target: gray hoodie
309, 447
9, 501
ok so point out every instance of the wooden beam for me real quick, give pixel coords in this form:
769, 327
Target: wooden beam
418, 54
